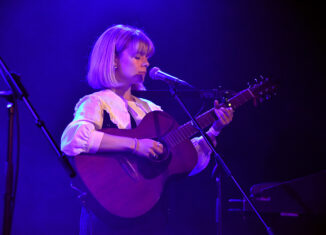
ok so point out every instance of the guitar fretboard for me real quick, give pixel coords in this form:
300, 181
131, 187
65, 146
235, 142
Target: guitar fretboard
204, 120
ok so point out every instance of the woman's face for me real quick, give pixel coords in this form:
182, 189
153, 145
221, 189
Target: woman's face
131, 66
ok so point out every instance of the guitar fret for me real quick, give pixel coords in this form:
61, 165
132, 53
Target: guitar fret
164, 139
168, 140
188, 128
184, 130
206, 119
241, 98
206, 122
176, 137
182, 134
189, 132
212, 118
193, 130
180, 139
172, 144
173, 138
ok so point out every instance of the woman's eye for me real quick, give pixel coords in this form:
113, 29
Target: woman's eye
137, 57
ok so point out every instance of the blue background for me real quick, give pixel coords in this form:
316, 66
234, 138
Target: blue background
207, 43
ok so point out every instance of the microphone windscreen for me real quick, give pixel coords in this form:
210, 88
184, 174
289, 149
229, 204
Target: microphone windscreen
153, 71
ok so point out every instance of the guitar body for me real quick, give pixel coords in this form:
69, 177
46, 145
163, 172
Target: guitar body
128, 185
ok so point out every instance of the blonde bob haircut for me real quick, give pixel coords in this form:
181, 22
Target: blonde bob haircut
101, 71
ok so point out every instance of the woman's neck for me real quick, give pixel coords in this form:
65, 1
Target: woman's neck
123, 92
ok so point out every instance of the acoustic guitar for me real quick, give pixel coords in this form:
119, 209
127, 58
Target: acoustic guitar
127, 185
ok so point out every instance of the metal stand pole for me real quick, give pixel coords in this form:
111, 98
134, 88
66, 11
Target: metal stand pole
8, 197
218, 210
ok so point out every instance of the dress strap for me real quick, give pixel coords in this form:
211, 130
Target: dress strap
107, 123
132, 121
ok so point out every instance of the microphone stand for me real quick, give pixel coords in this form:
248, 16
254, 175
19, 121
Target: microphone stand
18, 92
218, 210
220, 161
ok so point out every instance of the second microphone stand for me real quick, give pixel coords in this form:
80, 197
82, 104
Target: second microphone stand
18, 91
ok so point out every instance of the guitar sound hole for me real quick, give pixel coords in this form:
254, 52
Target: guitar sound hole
165, 155
152, 168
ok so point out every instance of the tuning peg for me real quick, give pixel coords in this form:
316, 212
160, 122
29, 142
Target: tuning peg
268, 97
249, 84
262, 78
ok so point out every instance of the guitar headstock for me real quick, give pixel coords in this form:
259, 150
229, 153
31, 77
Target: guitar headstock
262, 89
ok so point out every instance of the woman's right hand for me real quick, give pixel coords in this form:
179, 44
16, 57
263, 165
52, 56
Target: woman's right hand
148, 148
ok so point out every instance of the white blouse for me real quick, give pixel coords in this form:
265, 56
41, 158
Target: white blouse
83, 135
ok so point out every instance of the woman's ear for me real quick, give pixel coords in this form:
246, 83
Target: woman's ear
115, 66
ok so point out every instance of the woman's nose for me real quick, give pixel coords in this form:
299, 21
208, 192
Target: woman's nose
146, 63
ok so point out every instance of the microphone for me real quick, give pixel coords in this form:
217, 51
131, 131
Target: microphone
156, 74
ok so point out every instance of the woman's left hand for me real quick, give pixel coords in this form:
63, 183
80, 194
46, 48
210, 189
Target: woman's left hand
224, 115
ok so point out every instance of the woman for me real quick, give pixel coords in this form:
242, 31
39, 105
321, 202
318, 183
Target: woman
118, 65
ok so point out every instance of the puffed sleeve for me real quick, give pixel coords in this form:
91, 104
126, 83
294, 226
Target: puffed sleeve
81, 134
204, 152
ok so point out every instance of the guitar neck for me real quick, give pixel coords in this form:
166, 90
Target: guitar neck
204, 120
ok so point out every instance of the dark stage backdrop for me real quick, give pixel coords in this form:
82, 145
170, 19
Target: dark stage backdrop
207, 43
